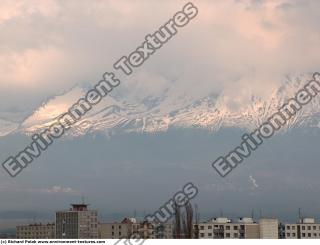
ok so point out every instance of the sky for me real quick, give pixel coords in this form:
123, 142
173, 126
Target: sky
233, 47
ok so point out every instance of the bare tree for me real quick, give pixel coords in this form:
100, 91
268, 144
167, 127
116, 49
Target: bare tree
183, 227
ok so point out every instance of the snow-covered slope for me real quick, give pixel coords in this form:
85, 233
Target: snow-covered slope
145, 113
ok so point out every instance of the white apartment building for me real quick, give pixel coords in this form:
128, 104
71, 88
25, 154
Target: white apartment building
243, 228
306, 228
129, 227
269, 228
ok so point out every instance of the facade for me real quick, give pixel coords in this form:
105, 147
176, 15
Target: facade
306, 228
118, 230
164, 231
36, 231
269, 228
224, 228
78, 222
243, 228
129, 227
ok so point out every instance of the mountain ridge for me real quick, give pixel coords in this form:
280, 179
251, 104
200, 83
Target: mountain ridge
158, 113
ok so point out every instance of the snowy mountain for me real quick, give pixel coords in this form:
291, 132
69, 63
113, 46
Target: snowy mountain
168, 109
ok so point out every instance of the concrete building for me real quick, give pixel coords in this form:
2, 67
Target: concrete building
36, 231
129, 227
78, 222
269, 228
224, 228
163, 231
306, 228
118, 230
243, 228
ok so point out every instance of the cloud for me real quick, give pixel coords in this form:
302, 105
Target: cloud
238, 48
253, 181
56, 189
59, 189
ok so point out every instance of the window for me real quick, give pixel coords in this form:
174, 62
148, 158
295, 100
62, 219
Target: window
201, 234
201, 227
235, 227
309, 228
227, 234
288, 234
303, 227
210, 227
227, 227
293, 227
235, 235
303, 234
314, 227
315, 234
309, 234
293, 234
209, 234
288, 227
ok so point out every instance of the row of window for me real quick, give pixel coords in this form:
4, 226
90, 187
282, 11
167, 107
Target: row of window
302, 234
228, 235
37, 233
26, 228
228, 227
303, 227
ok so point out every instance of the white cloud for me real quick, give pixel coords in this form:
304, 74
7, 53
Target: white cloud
59, 189
243, 46
253, 181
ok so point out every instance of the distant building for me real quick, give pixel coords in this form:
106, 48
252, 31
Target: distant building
78, 222
36, 231
129, 227
163, 231
118, 230
269, 228
306, 228
224, 228
243, 228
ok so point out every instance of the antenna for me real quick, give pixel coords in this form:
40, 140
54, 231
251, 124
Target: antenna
82, 199
252, 214
197, 217
300, 218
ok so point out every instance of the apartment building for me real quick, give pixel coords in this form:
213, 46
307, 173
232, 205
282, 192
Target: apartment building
243, 228
224, 228
118, 230
77, 222
306, 228
269, 228
163, 231
36, 231
129, 227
